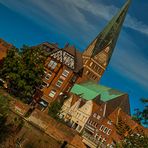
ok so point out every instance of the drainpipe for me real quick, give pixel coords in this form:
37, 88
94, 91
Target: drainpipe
104, 111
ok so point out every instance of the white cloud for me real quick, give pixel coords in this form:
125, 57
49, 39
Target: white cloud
133, 23
67, 12
71, 20
129, 61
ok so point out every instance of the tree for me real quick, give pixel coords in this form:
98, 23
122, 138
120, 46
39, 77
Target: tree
137, 139
142, 116
134, 141
56, 106
4, 127
54, 109
23, 70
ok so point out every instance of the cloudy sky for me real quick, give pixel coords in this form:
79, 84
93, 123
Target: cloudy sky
78, 22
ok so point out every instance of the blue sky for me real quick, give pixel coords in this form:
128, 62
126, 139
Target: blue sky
78, 22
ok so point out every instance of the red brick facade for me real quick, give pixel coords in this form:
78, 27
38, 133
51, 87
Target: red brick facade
62, 69
106, 131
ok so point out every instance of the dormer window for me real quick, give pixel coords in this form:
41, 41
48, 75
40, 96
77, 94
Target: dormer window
98, 117
95, 115
109, 122
107, 49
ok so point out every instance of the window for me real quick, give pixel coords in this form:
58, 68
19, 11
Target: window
44, 84
88, 121
109, 131
74, 78
47, 77
101, 127
43, 103
52, 64
96, 136
85, 119
93, 66
109, 122
65, 73
91, 63
103, 140
95, 115
98, 117
86, 72
97, 69
100, 138
79, 128
107, 50
96, 125
78, 115
45, 72
105, 130
52, 93
59, 83
68, 89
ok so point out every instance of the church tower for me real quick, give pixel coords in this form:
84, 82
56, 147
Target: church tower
97, 55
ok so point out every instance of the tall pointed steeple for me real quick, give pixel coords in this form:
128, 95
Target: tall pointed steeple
102, 47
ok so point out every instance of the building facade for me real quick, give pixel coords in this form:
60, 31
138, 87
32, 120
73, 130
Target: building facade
107, 131
76, 112
62, 69
88, 98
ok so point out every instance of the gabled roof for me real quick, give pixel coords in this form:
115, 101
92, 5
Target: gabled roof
75, 98
49, 47
119, 114
96, 108
89, 90
77, 55
70, 49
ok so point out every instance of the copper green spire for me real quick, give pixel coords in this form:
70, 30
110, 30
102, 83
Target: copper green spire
109, 36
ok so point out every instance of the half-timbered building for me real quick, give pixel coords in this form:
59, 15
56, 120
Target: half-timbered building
62, 69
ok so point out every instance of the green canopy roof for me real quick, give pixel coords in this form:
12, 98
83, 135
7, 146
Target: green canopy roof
89, 90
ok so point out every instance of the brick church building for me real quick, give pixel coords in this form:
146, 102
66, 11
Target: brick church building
66, 66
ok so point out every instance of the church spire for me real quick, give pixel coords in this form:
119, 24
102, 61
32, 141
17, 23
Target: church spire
109, 35
97, 56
